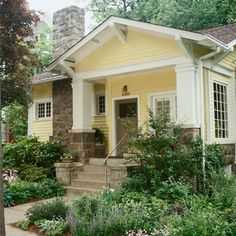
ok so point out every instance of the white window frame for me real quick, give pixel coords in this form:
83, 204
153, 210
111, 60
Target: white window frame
96, 102
38, 101
170, 95
227, 109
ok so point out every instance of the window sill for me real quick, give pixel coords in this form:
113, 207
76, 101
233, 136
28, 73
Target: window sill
43, 119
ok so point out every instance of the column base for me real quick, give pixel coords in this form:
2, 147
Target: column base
82, 145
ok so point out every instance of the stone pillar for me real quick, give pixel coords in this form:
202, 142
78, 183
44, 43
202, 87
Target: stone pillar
82, 145
66, 171
62, 111
117, 175
82, 134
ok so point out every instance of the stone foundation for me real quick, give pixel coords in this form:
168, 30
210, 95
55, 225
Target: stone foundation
190, 133
62, 111
82, 146
99, 150
117, 175
230, 153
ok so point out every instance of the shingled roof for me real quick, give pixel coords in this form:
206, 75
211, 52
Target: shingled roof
47, 76
225, 33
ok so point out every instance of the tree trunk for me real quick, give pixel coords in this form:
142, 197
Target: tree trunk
2, 219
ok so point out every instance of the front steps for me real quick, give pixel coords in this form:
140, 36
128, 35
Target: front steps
92, 179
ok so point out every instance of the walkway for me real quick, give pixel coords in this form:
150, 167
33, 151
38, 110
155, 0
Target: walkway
13, 215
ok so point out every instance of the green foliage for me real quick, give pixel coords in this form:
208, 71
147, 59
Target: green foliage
43, 48
15, 116
48, 210
32, 173
29, 151
99, 136
165, 153
54, 227
185, 14
24, 224
91, 215
19, 192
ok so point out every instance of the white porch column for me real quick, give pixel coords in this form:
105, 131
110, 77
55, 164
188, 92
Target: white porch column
82, 94
188, 95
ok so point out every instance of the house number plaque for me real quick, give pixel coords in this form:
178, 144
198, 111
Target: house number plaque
125, 91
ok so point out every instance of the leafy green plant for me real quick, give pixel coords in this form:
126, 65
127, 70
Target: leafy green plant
24, 224
48, 210
32, 173
19, 192
29, 151
54, 227
99, 136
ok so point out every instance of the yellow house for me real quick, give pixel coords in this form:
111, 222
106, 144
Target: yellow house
125, 67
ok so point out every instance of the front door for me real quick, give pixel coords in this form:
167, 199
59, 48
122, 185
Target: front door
126, 117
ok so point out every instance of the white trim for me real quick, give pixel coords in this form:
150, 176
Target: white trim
141, 66
227, 85
114, 99
95, 111
30, 120
232, 43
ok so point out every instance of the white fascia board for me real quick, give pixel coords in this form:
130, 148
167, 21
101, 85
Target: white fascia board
219, 69
50, 79
232, 44
142, 66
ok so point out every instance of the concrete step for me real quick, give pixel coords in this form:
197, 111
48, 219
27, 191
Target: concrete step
88, 183
95, 168
110, 161
92, 175
76, 191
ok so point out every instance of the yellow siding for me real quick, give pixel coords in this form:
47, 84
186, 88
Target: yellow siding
100, 121
42, 128
41, 91
139, 47
229, 61
141, 85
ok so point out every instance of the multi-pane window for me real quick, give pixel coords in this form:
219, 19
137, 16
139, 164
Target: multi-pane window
164, 104
220, 110
43, 110
100, 104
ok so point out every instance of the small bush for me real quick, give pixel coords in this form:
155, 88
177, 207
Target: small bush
54, 227
32, 173
24, 224
48, 210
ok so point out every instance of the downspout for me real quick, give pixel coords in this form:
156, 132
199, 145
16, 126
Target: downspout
202, 107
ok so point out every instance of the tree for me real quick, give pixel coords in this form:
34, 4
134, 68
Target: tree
184, 14
15, 60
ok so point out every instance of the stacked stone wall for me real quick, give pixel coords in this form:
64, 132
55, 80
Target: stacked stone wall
62, 111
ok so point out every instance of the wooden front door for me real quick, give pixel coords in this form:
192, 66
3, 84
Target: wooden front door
126, 116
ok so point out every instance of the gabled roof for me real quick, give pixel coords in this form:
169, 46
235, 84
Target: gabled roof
225, 33
46, 76
121, 23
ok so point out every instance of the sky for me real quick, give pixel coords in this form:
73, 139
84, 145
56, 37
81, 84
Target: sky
50, 6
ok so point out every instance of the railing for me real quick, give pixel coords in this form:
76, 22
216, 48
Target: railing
109, 155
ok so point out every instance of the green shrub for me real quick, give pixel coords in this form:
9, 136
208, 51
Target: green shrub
47, 210
29, 151
19, 192
32, 173
172, 191
99, 136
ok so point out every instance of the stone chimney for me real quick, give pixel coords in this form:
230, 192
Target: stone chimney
68, 28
